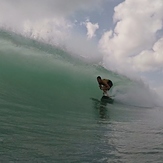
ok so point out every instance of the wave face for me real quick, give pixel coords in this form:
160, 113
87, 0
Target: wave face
37, 71
46, 105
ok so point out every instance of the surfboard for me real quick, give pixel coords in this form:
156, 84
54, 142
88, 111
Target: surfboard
107, 99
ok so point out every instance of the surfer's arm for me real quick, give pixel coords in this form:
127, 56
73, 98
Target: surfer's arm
106, 86
100, 86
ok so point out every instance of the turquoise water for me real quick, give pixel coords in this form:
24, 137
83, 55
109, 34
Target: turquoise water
50, 109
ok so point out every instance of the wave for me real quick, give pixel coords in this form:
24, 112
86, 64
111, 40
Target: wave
35, 73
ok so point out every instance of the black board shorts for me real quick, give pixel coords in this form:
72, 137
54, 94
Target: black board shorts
110, 83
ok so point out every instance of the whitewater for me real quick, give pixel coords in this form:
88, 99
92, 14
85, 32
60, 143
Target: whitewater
50, 109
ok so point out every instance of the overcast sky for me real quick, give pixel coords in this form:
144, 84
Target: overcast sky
126, 35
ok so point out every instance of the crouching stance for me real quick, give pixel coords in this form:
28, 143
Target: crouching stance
104, 84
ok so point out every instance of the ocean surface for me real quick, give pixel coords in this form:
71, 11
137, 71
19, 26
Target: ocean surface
51, 109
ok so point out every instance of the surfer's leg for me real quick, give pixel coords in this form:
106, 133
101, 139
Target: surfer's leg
105, 93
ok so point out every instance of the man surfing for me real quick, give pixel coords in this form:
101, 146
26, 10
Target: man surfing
105, 85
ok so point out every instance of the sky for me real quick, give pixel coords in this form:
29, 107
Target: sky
125, 36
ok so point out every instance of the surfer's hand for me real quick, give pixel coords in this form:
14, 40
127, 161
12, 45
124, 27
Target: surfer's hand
102, 88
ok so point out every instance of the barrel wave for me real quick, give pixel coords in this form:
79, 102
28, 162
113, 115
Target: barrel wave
50, 107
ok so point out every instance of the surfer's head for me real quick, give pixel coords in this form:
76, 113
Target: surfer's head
99, 79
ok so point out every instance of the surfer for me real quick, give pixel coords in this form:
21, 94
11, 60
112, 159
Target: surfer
104, 84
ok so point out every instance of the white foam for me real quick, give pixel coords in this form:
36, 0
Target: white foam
136, 94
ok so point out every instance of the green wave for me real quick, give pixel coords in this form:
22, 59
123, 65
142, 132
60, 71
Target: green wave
37, 74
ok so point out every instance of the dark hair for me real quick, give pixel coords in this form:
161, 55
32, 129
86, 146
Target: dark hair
98, 77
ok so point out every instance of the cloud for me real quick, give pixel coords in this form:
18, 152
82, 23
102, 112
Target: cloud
49, 21
150, 60
14, 14
137, 24
91, 29
18, 10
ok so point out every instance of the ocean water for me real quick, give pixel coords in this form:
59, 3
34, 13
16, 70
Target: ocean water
50, 110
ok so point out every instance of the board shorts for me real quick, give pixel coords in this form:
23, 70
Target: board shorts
110, 83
